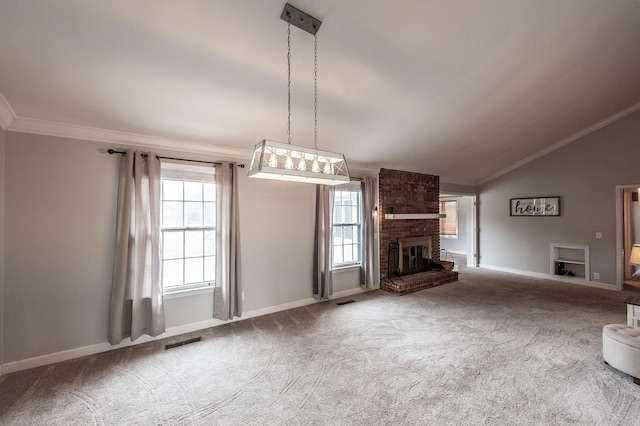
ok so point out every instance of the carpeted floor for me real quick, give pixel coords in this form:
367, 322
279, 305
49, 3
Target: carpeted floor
493, 348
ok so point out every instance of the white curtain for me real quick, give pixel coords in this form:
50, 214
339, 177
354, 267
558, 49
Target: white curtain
369, 270
136, 293
322, 277
228, 293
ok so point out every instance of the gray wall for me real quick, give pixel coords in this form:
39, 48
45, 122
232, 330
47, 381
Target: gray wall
60, 226
454, 188
584, 174
2, 298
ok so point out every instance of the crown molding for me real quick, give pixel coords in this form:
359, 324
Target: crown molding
72, 131
566, 141
457, 182
7, 116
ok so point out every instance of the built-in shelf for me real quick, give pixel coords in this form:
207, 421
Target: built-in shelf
395, 216
569, 262
575, 262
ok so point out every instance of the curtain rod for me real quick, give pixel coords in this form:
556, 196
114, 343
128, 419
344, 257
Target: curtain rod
215, 163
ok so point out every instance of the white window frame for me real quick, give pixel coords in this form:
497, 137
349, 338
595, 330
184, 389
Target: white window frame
350, 187
443, 210
188, 173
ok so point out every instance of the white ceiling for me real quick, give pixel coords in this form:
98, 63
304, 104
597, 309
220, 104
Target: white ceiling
463, 89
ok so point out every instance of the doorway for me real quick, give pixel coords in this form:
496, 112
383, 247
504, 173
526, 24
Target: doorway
463, 244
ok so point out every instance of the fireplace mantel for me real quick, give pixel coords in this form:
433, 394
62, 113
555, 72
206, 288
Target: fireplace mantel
392, 216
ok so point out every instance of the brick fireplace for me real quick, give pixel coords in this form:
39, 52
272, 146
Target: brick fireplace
410, 193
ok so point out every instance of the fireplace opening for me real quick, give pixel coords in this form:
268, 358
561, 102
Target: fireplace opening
414, 259
414, 255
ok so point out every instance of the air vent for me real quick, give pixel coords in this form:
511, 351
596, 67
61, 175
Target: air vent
346, 302
182, 343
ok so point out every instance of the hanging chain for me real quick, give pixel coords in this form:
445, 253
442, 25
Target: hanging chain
315, 91
289, 83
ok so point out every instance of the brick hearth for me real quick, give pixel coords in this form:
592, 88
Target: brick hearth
414, 282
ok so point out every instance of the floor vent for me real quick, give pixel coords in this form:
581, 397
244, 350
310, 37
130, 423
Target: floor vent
182, 343
346, 302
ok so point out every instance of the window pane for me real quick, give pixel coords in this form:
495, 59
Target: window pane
193, 243
355, 213
172, 245
356, 252
337, 198
210, 268
348, 254
209, 214
171, 190
346, 214
337, 214
337, 235
348, 235
356, 234
449, 224
193, 270
209, 192
193, 191
172, 273
171, 214
209, 243
337, 255
193, 214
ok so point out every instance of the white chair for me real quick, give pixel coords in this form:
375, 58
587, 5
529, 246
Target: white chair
621, 349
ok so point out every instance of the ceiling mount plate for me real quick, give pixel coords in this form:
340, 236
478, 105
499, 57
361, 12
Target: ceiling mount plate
300, 19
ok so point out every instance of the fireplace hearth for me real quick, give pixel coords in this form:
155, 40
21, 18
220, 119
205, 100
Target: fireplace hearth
410, 266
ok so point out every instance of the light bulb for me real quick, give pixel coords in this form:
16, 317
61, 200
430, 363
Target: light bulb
273, 160
302, 164
327, 168
315, 168
288, 164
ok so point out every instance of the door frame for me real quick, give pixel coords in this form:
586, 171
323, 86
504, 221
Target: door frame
472, 227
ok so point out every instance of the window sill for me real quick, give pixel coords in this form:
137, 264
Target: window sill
188, 292
346, 268
449, 237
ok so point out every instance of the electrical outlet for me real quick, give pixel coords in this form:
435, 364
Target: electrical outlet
596, 275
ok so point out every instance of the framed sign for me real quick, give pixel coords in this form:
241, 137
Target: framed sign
535, 206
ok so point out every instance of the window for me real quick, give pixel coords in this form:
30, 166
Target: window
449, 224
347, 226
187, 227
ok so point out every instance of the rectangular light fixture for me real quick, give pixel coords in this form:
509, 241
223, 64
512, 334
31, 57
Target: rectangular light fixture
281, 161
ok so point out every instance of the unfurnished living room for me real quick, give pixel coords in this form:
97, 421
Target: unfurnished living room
320, 212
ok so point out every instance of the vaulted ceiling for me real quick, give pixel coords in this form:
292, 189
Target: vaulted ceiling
463, 89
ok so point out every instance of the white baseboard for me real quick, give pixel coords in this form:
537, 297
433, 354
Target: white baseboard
604, 286
38, 361
514, 271
460, 253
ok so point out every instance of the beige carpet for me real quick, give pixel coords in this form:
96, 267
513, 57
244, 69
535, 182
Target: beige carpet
492, 348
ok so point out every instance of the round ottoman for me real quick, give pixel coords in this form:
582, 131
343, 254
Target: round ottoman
621, 348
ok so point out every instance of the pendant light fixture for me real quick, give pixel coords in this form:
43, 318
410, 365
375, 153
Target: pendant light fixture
284, 161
